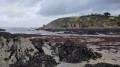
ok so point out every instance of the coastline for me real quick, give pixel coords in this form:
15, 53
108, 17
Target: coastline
106, 44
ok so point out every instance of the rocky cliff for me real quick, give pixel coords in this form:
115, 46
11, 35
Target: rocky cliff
90, 21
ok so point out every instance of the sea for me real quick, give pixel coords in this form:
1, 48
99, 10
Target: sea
16, 30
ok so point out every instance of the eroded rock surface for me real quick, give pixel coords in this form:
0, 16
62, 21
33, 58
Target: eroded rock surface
20, 52
13, 50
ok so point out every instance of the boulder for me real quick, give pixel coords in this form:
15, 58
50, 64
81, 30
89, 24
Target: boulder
20, 52
14, 50
71, 52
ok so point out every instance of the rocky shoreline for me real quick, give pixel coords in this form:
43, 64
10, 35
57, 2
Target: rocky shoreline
50, 51
101, 65
89, 31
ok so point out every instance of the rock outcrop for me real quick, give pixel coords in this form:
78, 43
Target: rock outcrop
20, 52
71, 52
13, 50
2, 30
44, 46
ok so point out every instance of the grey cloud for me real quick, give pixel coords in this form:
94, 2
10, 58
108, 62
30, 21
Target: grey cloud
18, 8
62, 7
18, 2
21, 12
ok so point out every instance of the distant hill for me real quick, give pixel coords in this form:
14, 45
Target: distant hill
89, 21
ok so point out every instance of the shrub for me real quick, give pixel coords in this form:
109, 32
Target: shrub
93, 17
112, 19
118, 23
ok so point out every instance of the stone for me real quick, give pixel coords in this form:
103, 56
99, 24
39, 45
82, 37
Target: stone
15, 49
71, 52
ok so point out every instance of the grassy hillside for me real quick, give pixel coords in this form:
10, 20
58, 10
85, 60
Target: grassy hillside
85, 21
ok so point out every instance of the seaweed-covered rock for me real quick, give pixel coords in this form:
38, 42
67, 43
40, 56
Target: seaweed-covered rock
74, 53
38, 60
102, 65
38, 44
7, 35
14, 50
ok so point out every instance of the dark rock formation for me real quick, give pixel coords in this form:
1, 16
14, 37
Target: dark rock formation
74, 53
2, 30
69, 51
7, 35
38, 44
38, 60
101, 65
95, 31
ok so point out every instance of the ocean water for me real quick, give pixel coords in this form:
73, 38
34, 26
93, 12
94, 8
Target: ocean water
14, 30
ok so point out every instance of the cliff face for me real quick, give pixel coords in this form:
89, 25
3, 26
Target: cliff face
15, 49
58, 23
85, 21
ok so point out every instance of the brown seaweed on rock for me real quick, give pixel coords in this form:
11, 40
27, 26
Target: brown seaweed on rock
38, 60
102, 65
7, 35
71, 52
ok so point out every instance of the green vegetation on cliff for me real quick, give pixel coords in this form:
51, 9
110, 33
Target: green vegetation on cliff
72, 17
93, 21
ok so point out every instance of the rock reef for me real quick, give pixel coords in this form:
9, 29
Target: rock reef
71, 52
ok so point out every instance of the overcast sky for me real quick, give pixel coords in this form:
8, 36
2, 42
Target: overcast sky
35, 13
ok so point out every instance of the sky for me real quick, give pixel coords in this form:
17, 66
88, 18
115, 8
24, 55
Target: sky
36, 13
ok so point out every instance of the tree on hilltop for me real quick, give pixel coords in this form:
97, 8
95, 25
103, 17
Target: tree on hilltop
107, 14
119, 15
